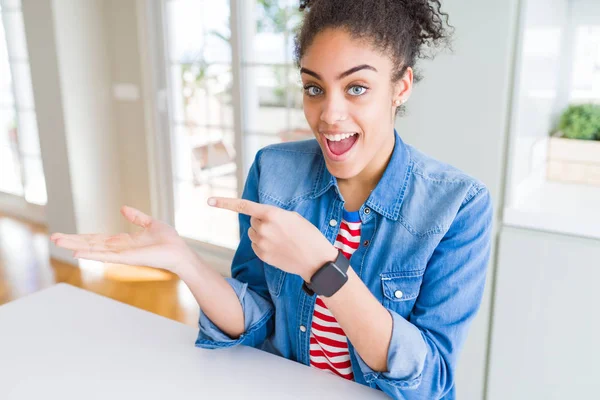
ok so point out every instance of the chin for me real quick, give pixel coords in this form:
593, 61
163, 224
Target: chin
343, 171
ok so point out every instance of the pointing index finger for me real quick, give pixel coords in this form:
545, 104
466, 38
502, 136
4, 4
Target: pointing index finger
240, 206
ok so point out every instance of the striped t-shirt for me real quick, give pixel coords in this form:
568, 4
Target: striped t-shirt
328, 342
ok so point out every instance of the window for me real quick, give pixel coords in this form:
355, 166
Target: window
554, 182
21, 171
586, 65
211, 150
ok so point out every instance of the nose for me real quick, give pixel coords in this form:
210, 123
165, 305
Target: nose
334, 110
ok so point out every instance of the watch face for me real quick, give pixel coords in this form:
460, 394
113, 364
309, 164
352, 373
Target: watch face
328, 280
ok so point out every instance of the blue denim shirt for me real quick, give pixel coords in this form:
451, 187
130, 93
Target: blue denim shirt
425, 245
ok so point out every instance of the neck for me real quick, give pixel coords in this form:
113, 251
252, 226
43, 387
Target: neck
356, 190
370, 176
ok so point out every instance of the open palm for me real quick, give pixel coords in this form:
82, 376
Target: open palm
156, 245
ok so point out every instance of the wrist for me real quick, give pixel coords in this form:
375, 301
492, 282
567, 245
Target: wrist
329, 255
329, 279
190, 266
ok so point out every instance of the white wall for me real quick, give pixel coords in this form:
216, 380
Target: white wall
546, 325
458, 114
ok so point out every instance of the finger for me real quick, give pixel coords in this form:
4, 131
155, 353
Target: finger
95, 242
241, 206
255, 223
80, 242
103, 256
252, 235
257, 251
81, 236
57, 235
260, 228
121, 241
136, 217
113, 257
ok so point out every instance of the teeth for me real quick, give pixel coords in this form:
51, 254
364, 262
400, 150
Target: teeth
338, 137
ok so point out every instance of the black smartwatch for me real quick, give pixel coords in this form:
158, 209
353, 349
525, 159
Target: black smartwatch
329, 278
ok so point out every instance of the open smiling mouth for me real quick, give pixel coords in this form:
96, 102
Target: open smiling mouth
340, 144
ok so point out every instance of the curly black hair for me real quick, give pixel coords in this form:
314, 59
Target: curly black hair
405, 29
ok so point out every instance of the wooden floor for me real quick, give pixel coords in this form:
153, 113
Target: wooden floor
25, 268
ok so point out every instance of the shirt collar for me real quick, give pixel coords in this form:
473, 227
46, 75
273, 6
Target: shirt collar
387, 196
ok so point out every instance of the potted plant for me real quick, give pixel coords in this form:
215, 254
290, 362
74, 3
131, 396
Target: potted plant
574, 147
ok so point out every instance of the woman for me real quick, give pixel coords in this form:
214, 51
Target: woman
358, 255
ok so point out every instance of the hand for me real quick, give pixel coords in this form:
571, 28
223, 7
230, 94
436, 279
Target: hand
157, 245
282, 238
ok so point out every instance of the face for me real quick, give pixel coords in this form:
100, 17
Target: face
350, 102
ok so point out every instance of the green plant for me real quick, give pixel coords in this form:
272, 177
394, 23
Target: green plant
581, 121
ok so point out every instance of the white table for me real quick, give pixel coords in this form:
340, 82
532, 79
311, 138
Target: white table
67, 343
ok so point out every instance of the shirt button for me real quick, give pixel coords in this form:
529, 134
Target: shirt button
367, 210
366, 243
302, 328
398, 294
333, 222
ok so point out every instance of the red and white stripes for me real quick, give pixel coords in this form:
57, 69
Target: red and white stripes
328, 342
348, 238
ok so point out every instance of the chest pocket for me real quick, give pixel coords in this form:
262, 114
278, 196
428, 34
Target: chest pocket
274, 277
400, 290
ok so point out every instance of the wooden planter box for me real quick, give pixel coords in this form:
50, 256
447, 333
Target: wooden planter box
574, 161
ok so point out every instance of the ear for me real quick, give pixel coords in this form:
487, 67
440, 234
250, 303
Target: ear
403, 88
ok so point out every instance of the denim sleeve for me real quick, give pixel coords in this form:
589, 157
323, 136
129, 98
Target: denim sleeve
248, 282
424, 347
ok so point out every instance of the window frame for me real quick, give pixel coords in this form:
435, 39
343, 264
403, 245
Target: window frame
154, 44
10, 203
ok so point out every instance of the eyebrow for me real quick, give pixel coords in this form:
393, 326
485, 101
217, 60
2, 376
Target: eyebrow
343, 74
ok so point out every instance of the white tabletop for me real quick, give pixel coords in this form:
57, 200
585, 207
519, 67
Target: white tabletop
67, 343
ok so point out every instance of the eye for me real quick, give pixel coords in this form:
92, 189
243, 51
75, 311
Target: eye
312, 90
357, 90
